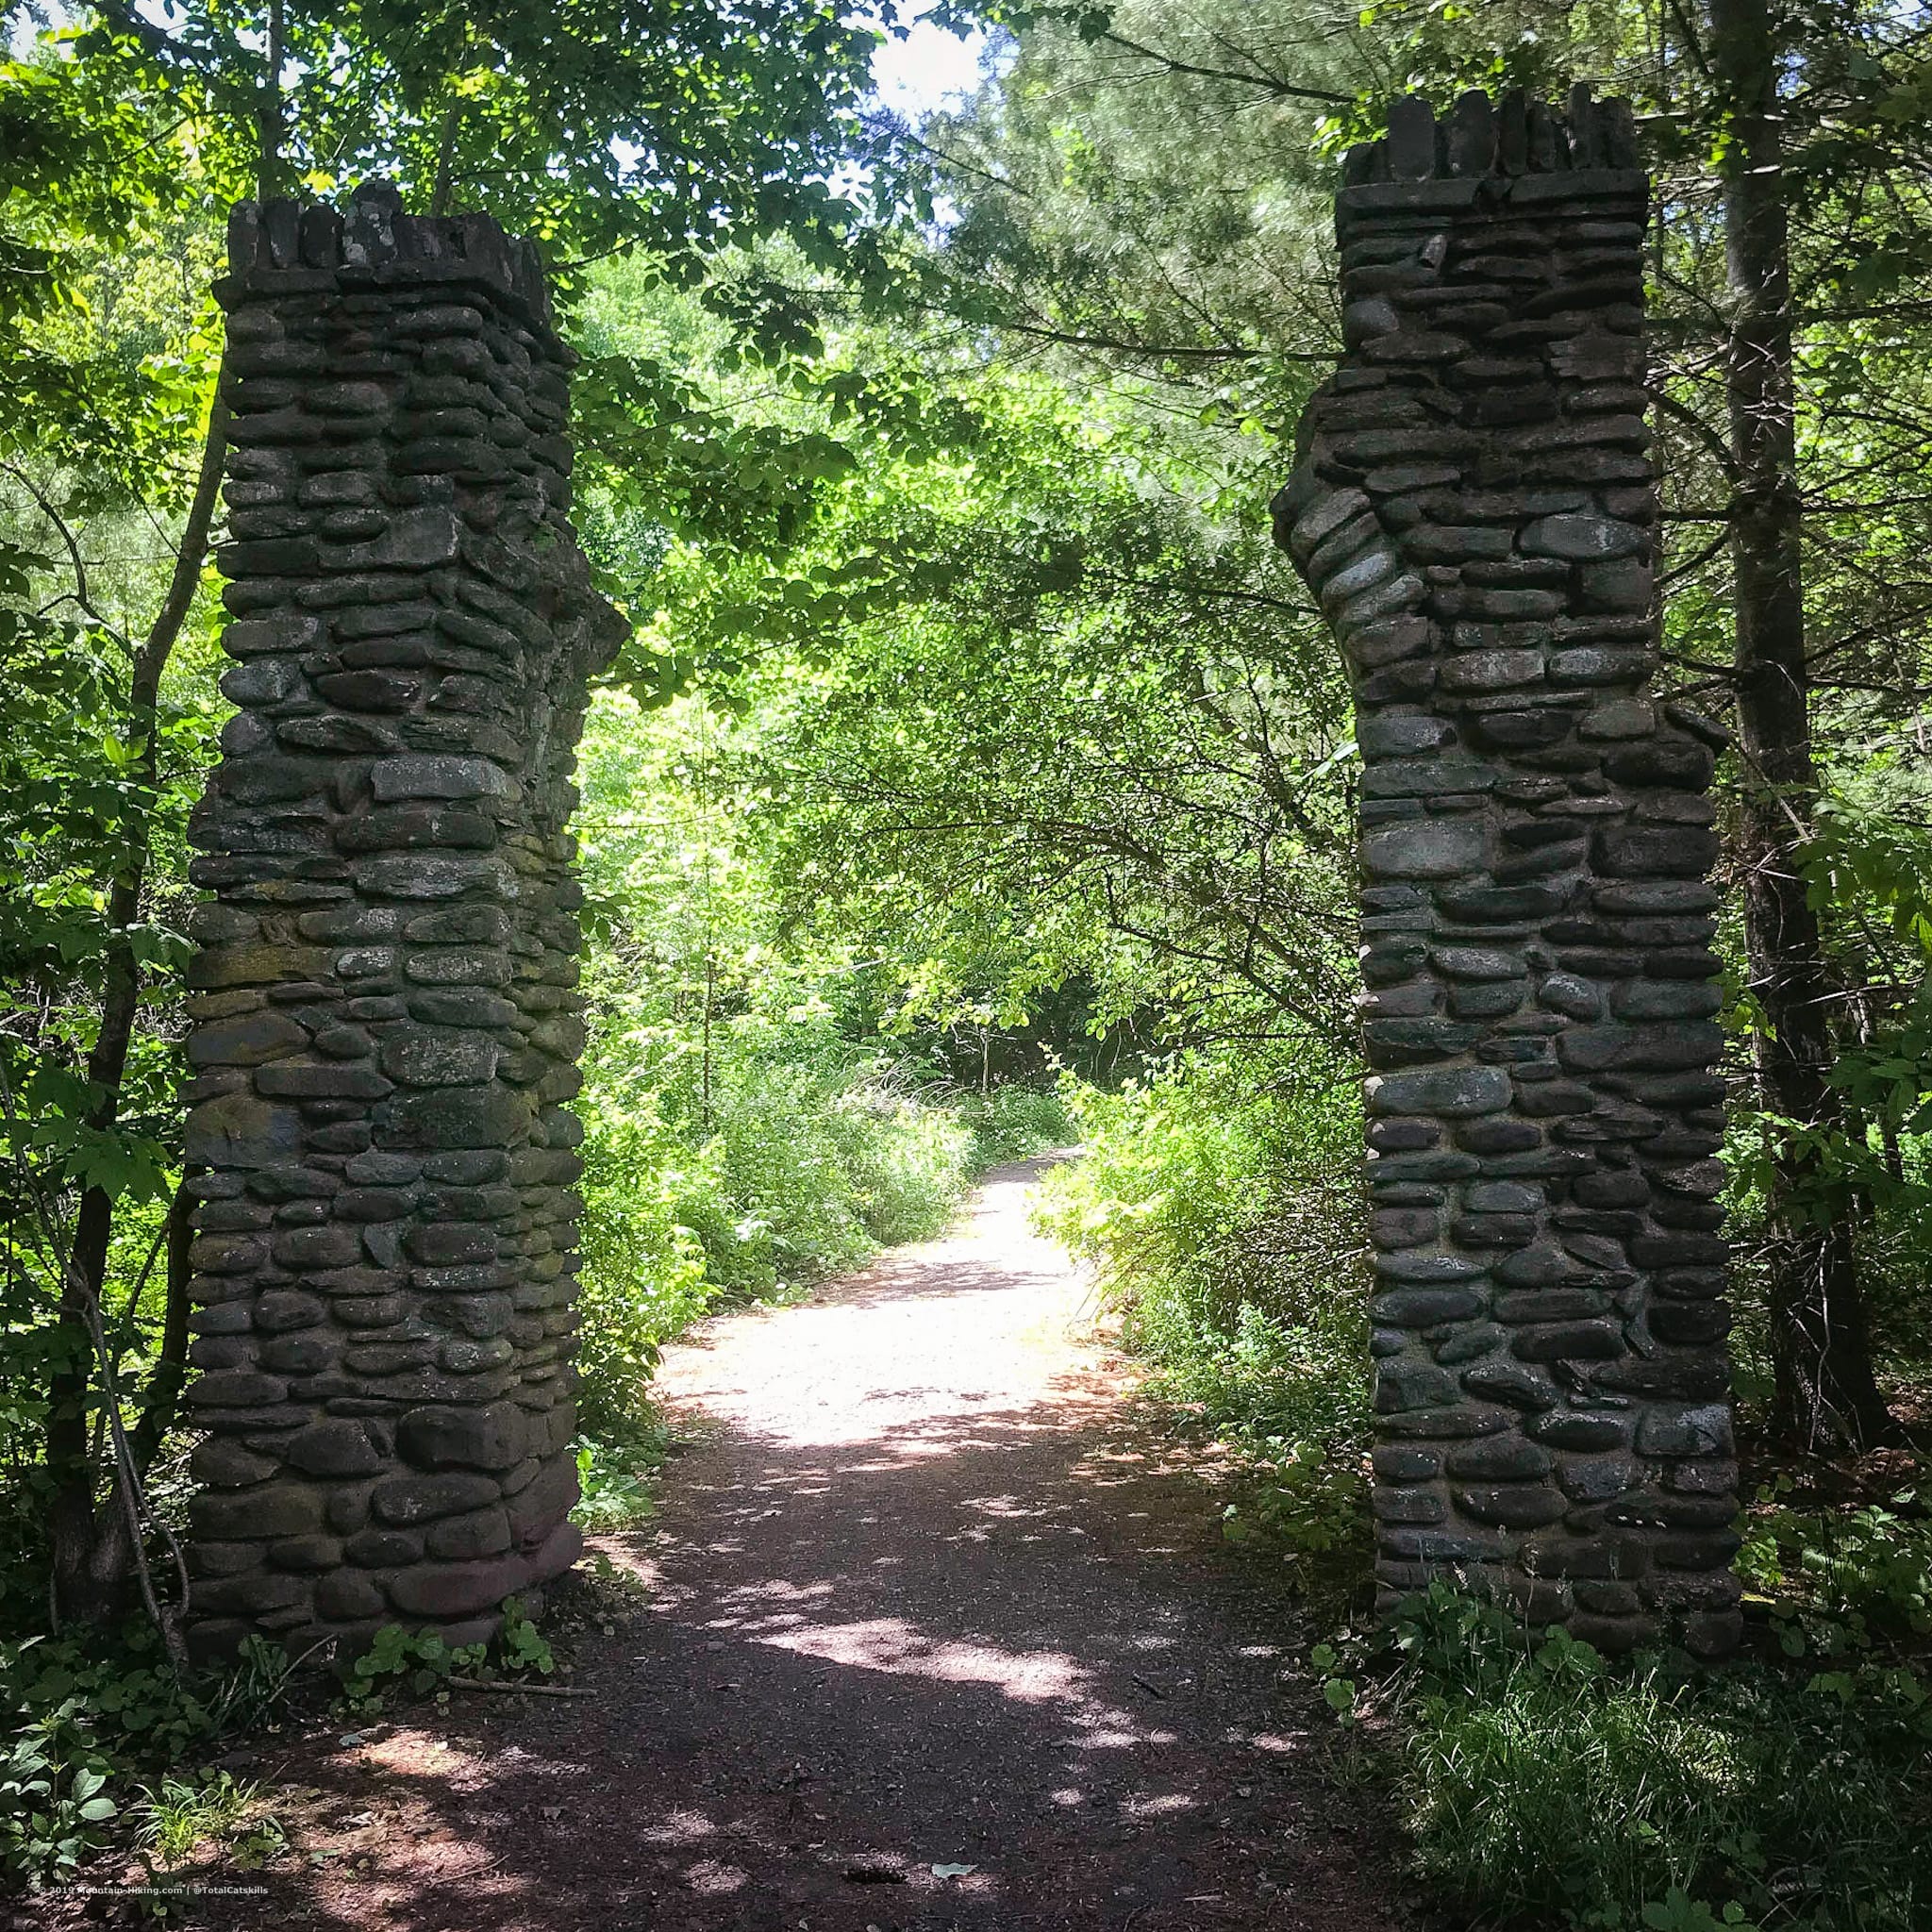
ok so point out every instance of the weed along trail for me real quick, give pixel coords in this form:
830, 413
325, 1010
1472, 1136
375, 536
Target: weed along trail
935, 1638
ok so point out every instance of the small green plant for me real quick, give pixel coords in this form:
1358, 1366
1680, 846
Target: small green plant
520, 1645
614, 1480
181, 1812
1338, 1692
53, 1796
88, 1714
419, 1663
1308, 1502
1677, 1911
1840, 1581
131, 1696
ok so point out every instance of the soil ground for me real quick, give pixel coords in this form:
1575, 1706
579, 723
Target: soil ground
941, 1634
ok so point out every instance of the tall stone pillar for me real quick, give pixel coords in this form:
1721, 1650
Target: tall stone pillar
386, 1024
1475, 507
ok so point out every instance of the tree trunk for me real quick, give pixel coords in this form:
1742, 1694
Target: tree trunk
270, 124
92, 1559
162, 1396
1826, 1396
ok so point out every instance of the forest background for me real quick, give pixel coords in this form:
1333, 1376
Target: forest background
977, 777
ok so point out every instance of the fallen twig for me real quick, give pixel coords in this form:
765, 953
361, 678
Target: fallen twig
522, 1690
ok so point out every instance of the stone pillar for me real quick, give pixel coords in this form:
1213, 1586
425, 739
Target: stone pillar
385, 1017
1475, 507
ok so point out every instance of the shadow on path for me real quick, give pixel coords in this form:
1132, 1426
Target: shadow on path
922, 1596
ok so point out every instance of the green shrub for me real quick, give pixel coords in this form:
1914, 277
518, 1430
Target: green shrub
908, 1163
179, 1814
1546, 1785
1220, 1204
53, 1795
1841, 1580
644, 1269
800, 1158
1013, 1122
419, 1663
614, 1479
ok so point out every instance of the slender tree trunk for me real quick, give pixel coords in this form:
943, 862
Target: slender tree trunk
270, 126
446, 156
90, 1557
162, 1396
705, 1068
1826, 1396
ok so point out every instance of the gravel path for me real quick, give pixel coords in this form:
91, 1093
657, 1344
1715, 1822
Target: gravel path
940, 1637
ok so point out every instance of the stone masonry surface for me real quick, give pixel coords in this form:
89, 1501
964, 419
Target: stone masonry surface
1474, 506
386, 1024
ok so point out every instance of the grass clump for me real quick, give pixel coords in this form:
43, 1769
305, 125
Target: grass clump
1545, 1785
181, 1813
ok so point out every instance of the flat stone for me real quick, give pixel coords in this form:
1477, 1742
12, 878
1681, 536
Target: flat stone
317, 1247
1588, 1430
427, 775
1701, 1430
1500, 1459
1447, 1092
1427, 849
1511, 1506
1515, 1383
271, 1510
282, 1311
1469, 1343
334, 1449
481, 1116
1583, 539
1569, 1341
1596, 1478
1400, 734
1620, 718
459, 1589
1657, 851
1424, 1306
247, 1040
1488, 671
1503, 1198
404, 1501
1478, 962
438, 1437
1567, 994
423, 1057
238, 1130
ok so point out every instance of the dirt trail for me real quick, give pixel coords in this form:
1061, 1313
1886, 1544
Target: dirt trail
924, 1594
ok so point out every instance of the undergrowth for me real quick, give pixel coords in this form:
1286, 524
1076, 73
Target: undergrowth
88, 1714
1218, 1201
104, 1736
1545, 1785
419, 1663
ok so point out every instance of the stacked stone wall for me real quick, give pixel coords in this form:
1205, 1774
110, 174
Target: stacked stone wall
386, 1019
1475, 507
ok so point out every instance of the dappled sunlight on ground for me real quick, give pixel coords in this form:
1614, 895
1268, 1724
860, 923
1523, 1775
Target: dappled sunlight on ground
939, 1636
